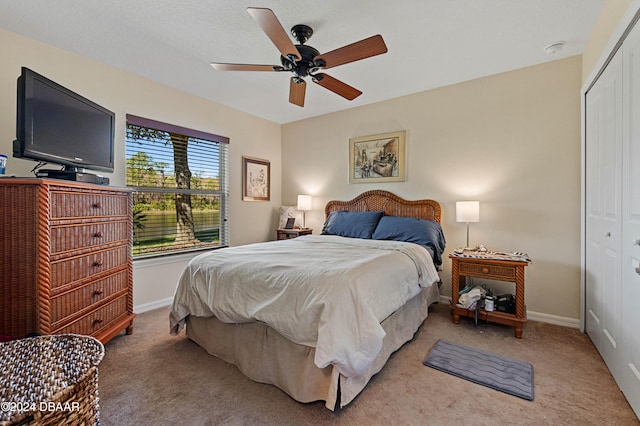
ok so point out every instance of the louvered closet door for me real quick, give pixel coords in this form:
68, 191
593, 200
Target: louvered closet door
630, 383
603, 213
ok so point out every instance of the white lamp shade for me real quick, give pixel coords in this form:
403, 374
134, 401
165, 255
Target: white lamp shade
304, 202
467, 211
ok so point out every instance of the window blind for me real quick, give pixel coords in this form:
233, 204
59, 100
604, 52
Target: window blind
180, 182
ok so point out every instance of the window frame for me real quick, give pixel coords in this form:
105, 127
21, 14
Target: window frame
222, 192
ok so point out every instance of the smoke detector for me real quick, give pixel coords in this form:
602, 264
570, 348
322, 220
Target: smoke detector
553, 48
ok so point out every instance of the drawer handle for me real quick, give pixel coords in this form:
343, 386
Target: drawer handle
97, 263
98, 234
485, 270
97, 205
98, 292
97, 321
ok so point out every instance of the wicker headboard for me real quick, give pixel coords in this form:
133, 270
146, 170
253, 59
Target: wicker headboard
390, 204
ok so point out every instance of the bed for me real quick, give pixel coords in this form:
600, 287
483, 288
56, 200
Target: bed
318, 315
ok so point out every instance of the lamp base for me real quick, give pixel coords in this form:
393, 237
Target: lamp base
479, 248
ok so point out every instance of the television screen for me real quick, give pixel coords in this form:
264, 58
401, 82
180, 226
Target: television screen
56, 125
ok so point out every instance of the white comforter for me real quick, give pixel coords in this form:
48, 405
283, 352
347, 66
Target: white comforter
322, 291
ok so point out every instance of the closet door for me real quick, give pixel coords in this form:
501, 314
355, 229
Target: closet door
603, 213
630, 383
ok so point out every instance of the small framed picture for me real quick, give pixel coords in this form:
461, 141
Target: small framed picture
290, 222
256, 175
287, 212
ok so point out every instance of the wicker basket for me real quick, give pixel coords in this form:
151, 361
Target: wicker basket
50, 380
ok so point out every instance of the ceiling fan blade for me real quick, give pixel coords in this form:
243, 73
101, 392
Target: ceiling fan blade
297, 91
245, 67
362, 49
336, 86
274, 30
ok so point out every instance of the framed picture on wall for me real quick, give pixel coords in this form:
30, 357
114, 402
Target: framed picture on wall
256, 179
377, 158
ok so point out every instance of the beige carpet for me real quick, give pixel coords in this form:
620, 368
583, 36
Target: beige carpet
152, 378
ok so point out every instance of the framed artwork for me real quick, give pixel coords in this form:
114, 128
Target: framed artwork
256, 179
377, 158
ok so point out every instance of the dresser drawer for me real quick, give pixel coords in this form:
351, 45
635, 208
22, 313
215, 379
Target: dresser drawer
68, 204
76, 237
488, 271
94, 321
76, 268
68, 303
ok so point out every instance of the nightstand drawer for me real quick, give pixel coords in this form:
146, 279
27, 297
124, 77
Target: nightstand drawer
287, 234
490, 271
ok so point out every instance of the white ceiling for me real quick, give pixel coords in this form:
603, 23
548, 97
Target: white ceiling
432, 43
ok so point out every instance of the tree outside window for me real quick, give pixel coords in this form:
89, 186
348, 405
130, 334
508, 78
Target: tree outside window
181, 187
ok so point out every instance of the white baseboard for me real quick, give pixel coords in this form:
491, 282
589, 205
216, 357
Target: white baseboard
554, 319
536, 316
152, 305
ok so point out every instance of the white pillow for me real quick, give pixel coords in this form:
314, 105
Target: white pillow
290, 211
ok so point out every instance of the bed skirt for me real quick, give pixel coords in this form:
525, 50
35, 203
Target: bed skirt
265, 356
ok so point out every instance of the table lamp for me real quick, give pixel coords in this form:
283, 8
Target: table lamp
304, 204
468, 211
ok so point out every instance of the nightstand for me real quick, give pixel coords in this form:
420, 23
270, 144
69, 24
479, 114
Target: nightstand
492, 266
286, 234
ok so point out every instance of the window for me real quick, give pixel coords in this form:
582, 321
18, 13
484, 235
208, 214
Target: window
180, 179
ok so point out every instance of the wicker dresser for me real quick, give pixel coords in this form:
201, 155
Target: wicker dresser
65, 259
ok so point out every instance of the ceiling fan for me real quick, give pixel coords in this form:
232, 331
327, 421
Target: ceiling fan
305, 61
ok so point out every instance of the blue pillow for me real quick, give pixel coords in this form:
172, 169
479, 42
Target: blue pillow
427, 233
351, 224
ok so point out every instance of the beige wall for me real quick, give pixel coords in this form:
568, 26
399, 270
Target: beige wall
611, 14
125, 93
511, 141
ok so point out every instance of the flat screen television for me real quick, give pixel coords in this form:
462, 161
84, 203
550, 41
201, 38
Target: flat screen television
56, 125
